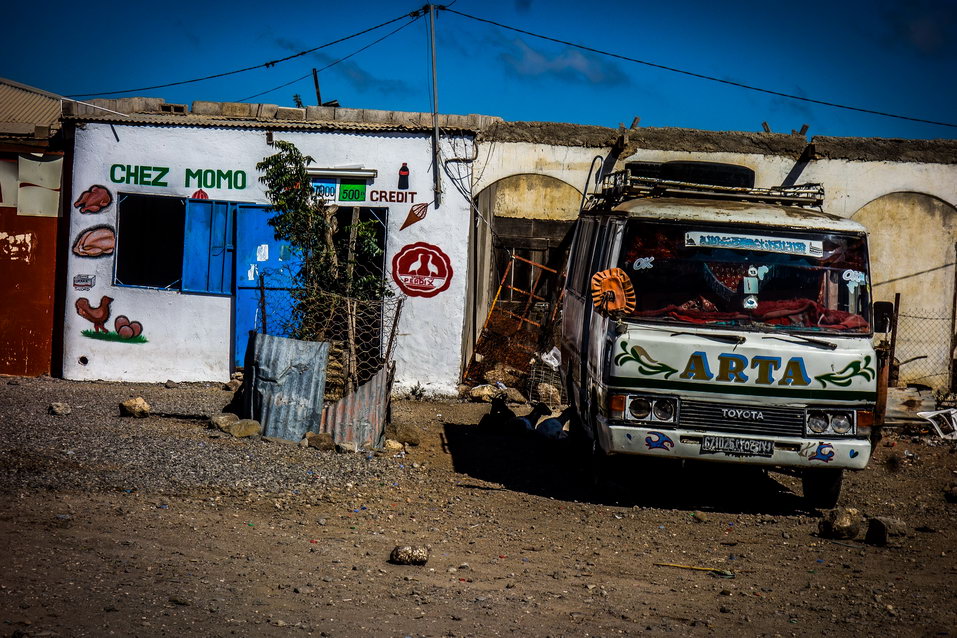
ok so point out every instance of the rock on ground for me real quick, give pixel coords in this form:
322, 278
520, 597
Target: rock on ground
841, 522
405, 433
409, 555
223, 421
512, 395
244, 427
547, 393
483, 393
320, 440
60, 409
502, 373
137, 407
881, 529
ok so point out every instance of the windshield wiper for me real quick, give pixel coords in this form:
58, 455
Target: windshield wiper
735, 339
810, 340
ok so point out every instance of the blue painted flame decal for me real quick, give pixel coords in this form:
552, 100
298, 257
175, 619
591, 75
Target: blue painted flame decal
658, 441
824, 452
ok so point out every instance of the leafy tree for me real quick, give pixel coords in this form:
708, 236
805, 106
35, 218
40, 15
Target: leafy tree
333, 259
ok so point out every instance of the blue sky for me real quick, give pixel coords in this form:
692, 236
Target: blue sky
886, 56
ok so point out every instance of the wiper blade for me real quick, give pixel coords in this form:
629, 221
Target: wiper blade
801, 338
735, 339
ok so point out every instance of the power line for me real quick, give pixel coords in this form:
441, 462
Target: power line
698, 75
271, 63
335, 62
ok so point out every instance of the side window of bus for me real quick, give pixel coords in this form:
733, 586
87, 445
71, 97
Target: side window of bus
600, 241
582, 257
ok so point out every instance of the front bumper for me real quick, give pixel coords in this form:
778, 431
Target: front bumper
851, 454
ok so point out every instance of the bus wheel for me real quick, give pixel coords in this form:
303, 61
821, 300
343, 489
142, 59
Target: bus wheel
822, 487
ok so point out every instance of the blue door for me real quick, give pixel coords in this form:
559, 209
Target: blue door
265, 271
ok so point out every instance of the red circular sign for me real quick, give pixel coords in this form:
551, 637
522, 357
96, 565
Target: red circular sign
422, 270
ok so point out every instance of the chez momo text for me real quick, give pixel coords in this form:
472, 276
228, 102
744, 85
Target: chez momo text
192, 177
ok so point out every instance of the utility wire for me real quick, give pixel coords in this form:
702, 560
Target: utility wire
697, 75
271, 63
335, 62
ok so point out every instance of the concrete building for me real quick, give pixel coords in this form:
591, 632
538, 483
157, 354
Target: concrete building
904, 191
508, 188
169, 232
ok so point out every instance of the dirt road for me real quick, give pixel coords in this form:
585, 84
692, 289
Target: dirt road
163, 527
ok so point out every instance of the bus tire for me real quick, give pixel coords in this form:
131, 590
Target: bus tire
822, 487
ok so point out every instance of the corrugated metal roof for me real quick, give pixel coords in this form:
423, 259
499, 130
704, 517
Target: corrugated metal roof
21, 104
267, 123
723, 212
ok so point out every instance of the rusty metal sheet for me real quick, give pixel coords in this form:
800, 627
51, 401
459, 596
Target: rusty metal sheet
361, 417
27, 287
286, 381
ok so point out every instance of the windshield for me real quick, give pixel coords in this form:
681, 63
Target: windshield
761, 278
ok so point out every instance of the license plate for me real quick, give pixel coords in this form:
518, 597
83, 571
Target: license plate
711, 444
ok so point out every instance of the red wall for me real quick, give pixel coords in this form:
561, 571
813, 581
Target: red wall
27, 284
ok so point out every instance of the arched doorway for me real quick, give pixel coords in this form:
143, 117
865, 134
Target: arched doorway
527, 215
912, 249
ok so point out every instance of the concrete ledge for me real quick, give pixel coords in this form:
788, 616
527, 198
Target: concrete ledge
321, 113
266, 111
207, 108
877, 149
237, 109
290, 113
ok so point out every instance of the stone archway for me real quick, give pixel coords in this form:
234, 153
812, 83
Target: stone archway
912, 249
528, 213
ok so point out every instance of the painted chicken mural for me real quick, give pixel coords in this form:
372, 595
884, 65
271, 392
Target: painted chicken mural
123, 328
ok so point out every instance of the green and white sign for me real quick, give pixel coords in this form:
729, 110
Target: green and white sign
352, 190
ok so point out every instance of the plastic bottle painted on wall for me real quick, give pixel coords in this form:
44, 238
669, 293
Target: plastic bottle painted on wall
404, 177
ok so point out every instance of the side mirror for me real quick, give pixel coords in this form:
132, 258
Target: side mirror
883, 316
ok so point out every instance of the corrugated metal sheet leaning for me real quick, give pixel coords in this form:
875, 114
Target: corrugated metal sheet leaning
285, 384
361, 417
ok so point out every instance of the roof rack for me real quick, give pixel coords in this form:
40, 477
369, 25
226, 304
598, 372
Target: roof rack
621, 185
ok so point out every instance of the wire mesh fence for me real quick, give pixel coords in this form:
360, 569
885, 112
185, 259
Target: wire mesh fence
923, 350
361, 332
545, 386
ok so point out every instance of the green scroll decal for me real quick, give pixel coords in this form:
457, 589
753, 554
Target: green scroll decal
646, 365
846, 376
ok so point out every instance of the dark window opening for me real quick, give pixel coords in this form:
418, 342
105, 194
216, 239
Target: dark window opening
149, 242
368, 275
536, 240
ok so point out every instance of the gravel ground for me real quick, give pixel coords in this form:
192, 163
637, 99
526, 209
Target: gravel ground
170, 452
164, 527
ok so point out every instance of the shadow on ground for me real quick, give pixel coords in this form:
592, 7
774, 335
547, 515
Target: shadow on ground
562, 470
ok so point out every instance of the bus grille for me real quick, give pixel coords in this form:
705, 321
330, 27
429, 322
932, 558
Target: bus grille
728, 417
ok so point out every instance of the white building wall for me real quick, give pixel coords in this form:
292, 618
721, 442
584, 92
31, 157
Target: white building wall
848, 185
188, 336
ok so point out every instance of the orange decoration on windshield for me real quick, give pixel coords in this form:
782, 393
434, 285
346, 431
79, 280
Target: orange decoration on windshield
611, 291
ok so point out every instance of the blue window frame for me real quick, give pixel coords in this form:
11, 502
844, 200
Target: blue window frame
208, 251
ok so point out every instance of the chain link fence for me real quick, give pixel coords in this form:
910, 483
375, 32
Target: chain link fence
361, 332
923, 350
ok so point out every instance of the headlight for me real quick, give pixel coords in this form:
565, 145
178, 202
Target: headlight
841, 423
664, 409
817, 422
640, 408
826, 422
